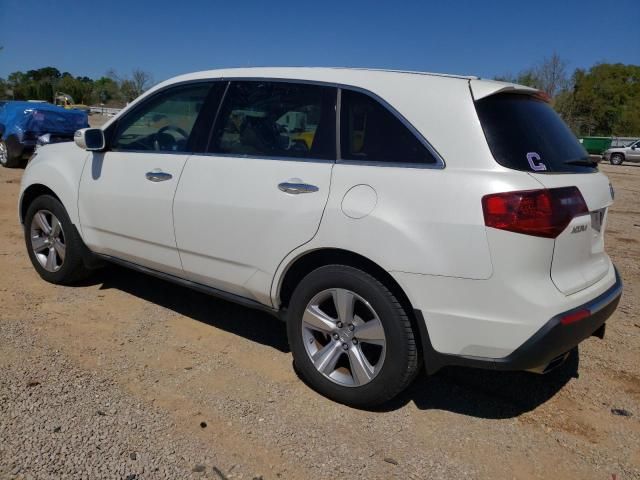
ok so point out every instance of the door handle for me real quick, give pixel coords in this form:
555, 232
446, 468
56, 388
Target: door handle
158, 176
297, 188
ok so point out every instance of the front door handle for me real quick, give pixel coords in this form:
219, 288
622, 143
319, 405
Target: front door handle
296, 188
158, 176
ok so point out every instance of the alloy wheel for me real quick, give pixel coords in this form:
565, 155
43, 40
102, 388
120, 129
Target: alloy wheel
47, 240
4, 155
344, 337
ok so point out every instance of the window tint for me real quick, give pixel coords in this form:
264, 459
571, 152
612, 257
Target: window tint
163, 123
371, 133
277, 119
525, 133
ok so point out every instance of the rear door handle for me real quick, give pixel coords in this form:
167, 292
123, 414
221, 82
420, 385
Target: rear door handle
158, 176
297, 188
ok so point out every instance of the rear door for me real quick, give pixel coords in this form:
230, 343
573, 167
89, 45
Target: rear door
260, 189
524, 133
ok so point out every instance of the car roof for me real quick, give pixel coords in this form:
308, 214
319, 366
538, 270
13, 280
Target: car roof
330, 74
432, 103
380, 81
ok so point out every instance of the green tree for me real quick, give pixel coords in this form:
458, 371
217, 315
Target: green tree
105, 90
604, 100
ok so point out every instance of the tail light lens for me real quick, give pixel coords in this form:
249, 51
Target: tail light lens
542, 213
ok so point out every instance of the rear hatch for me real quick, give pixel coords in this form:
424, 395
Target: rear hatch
524, 133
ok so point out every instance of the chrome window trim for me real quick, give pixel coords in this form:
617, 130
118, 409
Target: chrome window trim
263, 157
440, 163
377, 163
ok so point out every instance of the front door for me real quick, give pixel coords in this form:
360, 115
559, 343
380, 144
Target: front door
261, 189
126, 193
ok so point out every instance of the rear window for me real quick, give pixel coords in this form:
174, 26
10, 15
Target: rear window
525, 133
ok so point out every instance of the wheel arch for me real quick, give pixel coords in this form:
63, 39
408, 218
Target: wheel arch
305, 263
30, 194
308, 261
55, 170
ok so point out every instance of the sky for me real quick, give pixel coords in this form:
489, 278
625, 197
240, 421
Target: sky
167, 38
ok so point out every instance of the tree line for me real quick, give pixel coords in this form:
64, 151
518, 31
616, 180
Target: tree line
603, 100
111, 89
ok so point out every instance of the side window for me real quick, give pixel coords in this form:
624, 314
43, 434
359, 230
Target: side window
277, 119
371, 133
163, 123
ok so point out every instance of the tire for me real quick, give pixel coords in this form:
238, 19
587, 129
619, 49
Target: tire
10, 153
616, 159
394, 360
63, 254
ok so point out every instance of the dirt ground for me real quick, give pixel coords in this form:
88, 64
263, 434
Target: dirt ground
193, 360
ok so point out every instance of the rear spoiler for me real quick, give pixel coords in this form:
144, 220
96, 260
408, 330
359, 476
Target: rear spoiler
485, 88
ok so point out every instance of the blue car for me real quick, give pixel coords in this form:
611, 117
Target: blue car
23, 123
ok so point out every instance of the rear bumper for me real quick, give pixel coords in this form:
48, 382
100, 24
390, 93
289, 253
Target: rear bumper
551, 341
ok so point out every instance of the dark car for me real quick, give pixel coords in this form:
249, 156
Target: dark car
23, 123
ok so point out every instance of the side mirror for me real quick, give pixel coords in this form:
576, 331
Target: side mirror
633, 148
91, 139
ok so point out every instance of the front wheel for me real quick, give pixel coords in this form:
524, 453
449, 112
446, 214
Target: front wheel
54, 245
351, 339
616, 159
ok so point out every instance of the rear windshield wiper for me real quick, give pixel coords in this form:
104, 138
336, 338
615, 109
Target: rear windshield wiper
581, 162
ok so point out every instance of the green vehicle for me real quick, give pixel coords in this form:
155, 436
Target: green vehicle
595, 145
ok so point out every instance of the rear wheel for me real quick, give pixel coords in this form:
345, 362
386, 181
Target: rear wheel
9, 156
616, 159
351, 339
55, 247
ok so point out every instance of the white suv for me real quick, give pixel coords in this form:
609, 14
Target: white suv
391, 218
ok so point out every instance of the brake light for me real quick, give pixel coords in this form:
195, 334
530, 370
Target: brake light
542, 213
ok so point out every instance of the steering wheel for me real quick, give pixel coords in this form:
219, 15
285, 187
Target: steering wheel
162, 134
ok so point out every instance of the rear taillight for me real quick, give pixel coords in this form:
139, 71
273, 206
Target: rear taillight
542, 213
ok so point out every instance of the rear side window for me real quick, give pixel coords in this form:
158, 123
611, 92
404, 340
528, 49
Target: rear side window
525, 133
371, 133
277, 119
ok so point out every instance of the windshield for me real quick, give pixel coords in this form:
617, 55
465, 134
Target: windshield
525, 133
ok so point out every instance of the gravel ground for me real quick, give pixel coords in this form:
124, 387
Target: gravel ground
127, 376
60, 421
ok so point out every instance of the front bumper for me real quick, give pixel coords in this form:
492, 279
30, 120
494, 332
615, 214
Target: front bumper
552, 341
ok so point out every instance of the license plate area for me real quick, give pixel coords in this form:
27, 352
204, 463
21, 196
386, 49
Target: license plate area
597, 219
